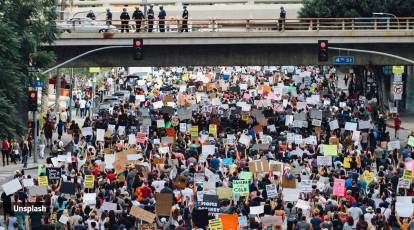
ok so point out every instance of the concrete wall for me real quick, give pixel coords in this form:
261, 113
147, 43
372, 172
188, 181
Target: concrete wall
235, 54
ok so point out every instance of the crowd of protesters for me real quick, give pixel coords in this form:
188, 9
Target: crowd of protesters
188, 133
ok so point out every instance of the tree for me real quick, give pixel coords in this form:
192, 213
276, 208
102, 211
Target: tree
355, 8
24, 27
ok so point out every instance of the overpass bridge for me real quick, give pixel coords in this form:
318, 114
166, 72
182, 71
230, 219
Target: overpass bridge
247, 42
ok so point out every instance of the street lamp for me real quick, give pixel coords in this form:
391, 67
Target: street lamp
388, 14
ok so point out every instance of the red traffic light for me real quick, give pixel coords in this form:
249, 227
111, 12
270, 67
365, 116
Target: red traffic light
33, 95
322, 45
138, 43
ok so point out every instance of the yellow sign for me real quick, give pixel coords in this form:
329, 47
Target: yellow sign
369, 176
347, 162
89, 181
94, 69
408, 174
194, 131
245, 117
43, 181
330, 150
212, 129
215, 224
397, 69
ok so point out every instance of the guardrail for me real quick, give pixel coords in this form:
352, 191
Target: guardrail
246, 25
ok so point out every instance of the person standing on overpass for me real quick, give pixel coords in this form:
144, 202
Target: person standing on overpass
161, 19
138, 16
185, 20
91, 15
108, 17
124, 20
282, 18
150, 14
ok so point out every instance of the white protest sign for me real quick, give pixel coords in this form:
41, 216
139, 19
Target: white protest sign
404, 206
324, 160
304, 205
183, 127
305, 186
100, 134
87, 131
208, 149
290, 194
256, 210
271, 190
28, 182
393, 145
356, 135
333, 125
351, 126
364, 125
12, 186
109, 161
316, 122
131, 139
89, 198
108, 206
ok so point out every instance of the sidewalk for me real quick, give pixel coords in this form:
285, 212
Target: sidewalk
66, 138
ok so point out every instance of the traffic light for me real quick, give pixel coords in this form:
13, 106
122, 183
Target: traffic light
323, 50
32, 100
138, 48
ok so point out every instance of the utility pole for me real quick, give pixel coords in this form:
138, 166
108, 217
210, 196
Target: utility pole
58, 85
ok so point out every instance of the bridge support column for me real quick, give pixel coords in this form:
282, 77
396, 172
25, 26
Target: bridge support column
409, 89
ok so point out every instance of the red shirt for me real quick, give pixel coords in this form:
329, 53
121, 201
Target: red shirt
146, 192
5, 145
111, 176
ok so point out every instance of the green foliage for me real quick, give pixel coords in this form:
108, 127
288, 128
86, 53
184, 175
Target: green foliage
355, 8
24, 26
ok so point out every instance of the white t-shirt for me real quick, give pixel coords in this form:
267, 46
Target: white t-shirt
82, 104
158, 185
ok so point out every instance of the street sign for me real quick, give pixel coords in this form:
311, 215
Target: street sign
39, 84
397, 69
94, 69
398, 89
343, 60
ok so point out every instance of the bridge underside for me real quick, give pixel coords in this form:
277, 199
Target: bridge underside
228, 55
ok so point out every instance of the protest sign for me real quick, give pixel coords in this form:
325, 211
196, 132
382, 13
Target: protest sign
87, 131
229, 221
54, 173
227, 161
224, 193
333, 125
89, 181
100, 134
212, 129
305, 186
208, 149
258, 166
163, 203
241, 187
132, 139
246, 175
339, 187
89, 198
194, 131
351, 126
43, 181
271, 190
211, 203
404, 183
215, 224
28, 182
108, 206
393, 145
12, 186
404, 206
364, 125
109, 160
142, 214
68, 188
330, 150
256, 210
324, 160
242, 220
316, 122
272, 220
368, 176
410, 141
408, 174
302, 204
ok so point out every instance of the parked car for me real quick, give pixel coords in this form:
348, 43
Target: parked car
84, 25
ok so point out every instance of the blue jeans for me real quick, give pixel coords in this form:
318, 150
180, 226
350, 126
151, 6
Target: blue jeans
24, 161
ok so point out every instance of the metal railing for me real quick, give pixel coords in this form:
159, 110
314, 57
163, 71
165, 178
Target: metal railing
246, 25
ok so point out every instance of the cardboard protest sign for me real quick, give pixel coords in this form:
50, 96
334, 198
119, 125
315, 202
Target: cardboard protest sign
54, 173
330, 150
43, 181
215, 224
163, 204
224, 193
241, 187
68, 188
258, 166
12, 186
339, 187
271, 190
142, 214
89, 181
121, 160
229, 221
